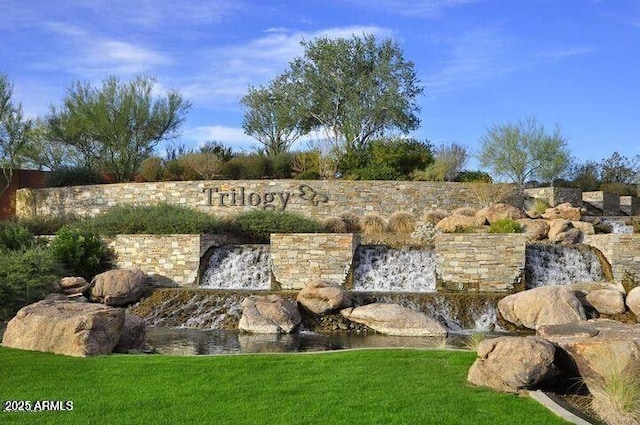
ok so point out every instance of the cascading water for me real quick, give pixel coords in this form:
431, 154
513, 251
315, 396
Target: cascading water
383, 269
561, 265
618, 226
238, 267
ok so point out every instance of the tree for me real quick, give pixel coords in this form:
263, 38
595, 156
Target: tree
117, 125
355, 90
620, 169
46, 153
272, 116
585, 175
15, 133
450, 158
523, 151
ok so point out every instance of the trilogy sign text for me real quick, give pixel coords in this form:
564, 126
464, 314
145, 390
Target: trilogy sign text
239, 197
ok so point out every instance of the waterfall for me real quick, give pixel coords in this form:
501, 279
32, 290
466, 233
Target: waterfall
238, 267
561, 265
618, 226
379, 268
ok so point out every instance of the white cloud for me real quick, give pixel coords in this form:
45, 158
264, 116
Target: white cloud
231, 136
421, 8
557, 54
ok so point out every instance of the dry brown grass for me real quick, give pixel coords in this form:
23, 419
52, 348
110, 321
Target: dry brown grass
335, 225
402, 223
488, 193
373, 224
433, 216
466, 211
352, 221
616, 397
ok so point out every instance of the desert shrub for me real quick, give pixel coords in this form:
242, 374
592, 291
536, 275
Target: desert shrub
505, 225
174, 170
306, 162
621, 189
473, 177
334, 225
25, 277
257, 225
373, 224
352, 221
473, 341
151, 170
280, 166
202, 166
246, 167
433, 216
488, 193
403, 156
536, 206
47, 225
224, 153
73, 176
81, 253
308, 175
382, 172
15, 236
402, 223
466, 211
151, 219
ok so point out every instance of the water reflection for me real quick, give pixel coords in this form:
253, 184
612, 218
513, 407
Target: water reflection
191, 342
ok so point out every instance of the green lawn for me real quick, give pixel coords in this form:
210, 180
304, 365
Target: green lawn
355, 387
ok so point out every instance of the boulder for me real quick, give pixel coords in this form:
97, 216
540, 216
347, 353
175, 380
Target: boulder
323, 297
605, 301
536, 230
595, 348
499, 211
546, 305
73, 285
557, 227
132, 335
118, 287
510, 364
456, 223
633, 301
394, 319
65, 327
584, 227
270, 314
564, 211
570, 237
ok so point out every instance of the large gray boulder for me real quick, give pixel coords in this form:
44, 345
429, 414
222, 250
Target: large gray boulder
132, 335
270, 314
394, 319
118, 287
558, 226
595, 348
65, 327
322, 297
546, 305
457, 222
604, 297
633, 301
510, 364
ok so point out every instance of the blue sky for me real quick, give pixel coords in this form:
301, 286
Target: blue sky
575, 63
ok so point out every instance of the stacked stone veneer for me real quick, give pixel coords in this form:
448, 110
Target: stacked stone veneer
630, 205
556, 195
297, 259
609, 203
622, 251
168, 259
479, 262
318, 198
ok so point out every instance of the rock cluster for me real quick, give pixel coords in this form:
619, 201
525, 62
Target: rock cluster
65, 323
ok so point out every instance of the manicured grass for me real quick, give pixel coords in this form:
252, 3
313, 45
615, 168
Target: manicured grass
356, 387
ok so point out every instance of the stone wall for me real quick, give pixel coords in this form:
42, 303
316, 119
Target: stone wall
318, 199
556, 195
622, 251
630, 205
168, 259
479, 262
297, 259
609, 203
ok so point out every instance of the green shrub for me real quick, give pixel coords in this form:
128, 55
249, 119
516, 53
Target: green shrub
151, 170
25, 277
14, 236
246, 167
621, 189
473, 177
308, 175
47, 225
73, 176
401, 155
257, 225
151, 219
381, 172
505, 225
281, 166
81, 253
